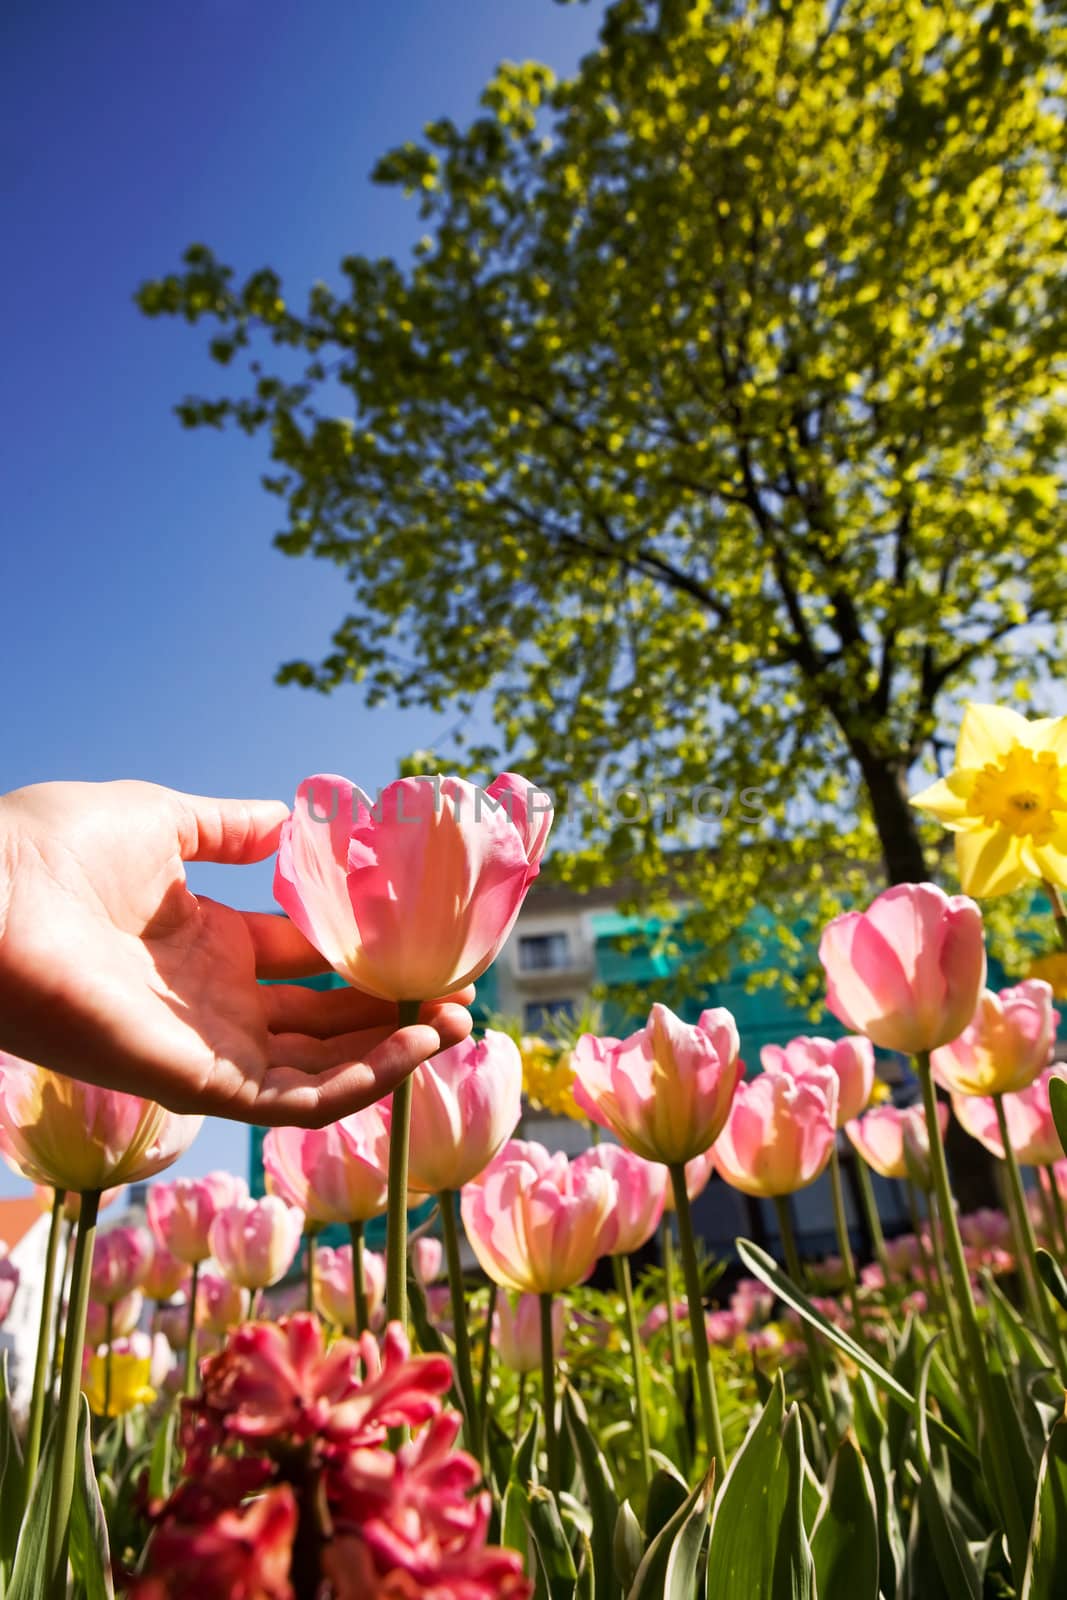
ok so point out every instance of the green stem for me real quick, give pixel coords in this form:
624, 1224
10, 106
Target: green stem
668, 1286
190, 1343
1005, 1487
109, 1332
57, 1335
870, 1211
705, 1376
1057, 1206
844, 1243
948, 1304
796, 1272
486, 1372
40, 1367
548, 1393
933, 1268
636, 1358
66, 1425
460, 1335
517, 1435
1037, 1300
396, 1224
1059, 911
359, 1285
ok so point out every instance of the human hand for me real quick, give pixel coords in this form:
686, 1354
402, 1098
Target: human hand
113, 971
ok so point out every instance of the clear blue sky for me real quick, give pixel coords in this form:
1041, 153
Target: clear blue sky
144, 611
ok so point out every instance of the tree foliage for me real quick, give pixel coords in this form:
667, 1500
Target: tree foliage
713, 432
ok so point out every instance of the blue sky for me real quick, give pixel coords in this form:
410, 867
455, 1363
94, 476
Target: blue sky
144, 611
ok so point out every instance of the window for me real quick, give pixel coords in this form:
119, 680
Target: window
539, 1015
543, 952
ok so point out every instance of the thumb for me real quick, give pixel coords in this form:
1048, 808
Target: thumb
233, 832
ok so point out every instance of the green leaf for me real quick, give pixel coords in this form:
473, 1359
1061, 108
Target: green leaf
873, 1436
90, 1552
525, 1457
161, 1463
12, 1478
845, 1542
515, 1519
666, 1493
794, 1569
557, 1573
599, 1492
432, 1341
1047, 1561
585, 1588
627, 1545
1051, 1276
762, 1266
1057, 1099
668, 1569
28, 1574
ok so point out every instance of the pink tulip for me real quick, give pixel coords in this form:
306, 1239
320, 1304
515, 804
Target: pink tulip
780, 1132
697, 1177
1005, 1045
427, 1259
465, 1104
121, 1259
851, 1058
180, 1213
335, 1174
517, 1331
334, 1292
220, 1303
887, 1138
166, 1277
664, 1092
642, 1187
536, 1221
73, 1135
9, 1282
255, 1241
412, 898
125, 1316
908, 971
1031, 1129
173, 1323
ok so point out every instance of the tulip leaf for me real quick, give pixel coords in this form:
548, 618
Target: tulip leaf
586, 1587
763, 1266
161, 1462
90, 1552
555, 1572
522, 1462
668, 1569
28, 1575
599, 1492
794, 1569
873, 1434
666, 1493
845, 1541
514, 1519
1057, 1099
12, 1478
1047, 1560
432, 1341
627, 1546
1051, 1276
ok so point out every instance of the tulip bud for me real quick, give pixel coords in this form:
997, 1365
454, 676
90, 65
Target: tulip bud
780, 1132
1005, 1045
180, 1213
255, 1241
465, 1103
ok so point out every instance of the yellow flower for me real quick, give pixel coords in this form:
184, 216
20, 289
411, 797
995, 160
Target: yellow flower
1005, 800
129, 1382
547, 1078
1053, 969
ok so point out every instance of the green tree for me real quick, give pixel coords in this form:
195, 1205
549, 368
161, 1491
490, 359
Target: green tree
713, 431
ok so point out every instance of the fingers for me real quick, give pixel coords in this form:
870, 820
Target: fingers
281, 951
233, 832
289, 1097
325, 1012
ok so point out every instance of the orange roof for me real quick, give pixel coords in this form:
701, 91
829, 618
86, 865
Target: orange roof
17, 1217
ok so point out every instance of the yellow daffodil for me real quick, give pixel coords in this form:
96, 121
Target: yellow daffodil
1005, 800
547, 1078
129, 1381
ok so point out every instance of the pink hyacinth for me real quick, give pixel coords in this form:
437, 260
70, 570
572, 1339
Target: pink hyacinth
907, 972
665, 1092
517, 1331
641, 1190
1028, 1114
889, 1139
536, 1222
121, 1259
334, 1289
465, 1105
334, 1174
180, 1213
780, 1132
1006, 1043
851, 1059
751, 1302
255, 1241
411, 898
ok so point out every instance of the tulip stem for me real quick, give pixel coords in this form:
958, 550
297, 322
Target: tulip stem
190, 1343
1036, 1297
870, 1211
1059, 911
519, 1407
674, 1343
1005, 1486
1057, 1206
486, 1372
844, 1243
66, 1434
40, 1368
698, 1330
57, 1334
109, 1331
548, 1391
948, 1304
460, 1336
639, 1375
359, 1285
796, 1272
396, 1223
